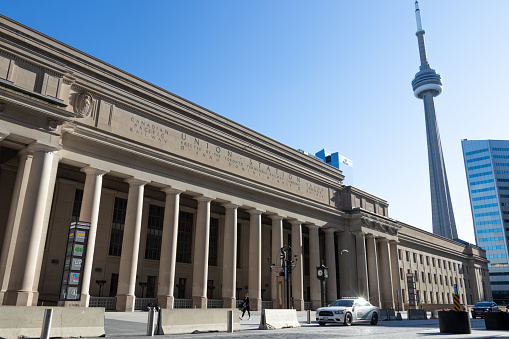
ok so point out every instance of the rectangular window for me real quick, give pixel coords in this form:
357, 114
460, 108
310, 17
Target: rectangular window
439, 265
488, 197
117, 226
479, 166
487, 214
154, 232
429, 277
407, 256
427, 260
416, 276
433, 261
401, 273
488, 222
478, 151
422, 277
305, 248
213, 236
483, 190
435, 278
415, 257
480, 174
399, 254
485, 206
478, 159
491, 230
420, 258
185, 237
481, 182
76, 207
501, 149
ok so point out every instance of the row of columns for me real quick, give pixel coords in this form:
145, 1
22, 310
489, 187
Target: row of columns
27, 225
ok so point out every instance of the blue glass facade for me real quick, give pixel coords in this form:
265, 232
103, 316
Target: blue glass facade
339, 161
485, 161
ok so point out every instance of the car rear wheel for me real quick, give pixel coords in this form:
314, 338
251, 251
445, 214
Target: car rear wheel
321, 323
374, 318
348, 319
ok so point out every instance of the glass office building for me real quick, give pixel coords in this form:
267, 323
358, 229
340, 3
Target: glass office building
487, 169
339, 161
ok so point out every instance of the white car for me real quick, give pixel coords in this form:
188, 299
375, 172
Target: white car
348, 311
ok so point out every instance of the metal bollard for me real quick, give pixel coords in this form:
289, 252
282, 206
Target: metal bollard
309, 316
150, 324
229, 321
46, 323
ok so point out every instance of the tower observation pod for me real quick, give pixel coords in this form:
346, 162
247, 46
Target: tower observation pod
426, 85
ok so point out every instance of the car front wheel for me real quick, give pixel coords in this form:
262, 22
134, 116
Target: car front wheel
374, 318
348, 319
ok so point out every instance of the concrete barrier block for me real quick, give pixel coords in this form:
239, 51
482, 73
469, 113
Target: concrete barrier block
417, 314
185, 321
26, 321
278, 319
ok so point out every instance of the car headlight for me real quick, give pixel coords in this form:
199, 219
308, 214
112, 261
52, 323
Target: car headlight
339, 312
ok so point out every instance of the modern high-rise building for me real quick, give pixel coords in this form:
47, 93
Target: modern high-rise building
487, 169
339, 161
427, 84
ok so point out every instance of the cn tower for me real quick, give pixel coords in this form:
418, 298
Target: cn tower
427, 84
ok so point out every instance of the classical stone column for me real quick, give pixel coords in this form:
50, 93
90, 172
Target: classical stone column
314, 262
374, 284
90, 213
344, 257
396, 281
298, 271
201, 252
230, 256
362, 267
386, 274
330, 262
277, 243
32, 228
167, 263
130, 246
255, 259
11, 232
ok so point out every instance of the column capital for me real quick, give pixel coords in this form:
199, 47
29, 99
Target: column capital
170, 190
312, 226
329, 230
393, 242
385, 240
295, 222
370, 236
202, 198
93, 171
276, 217
42, 147
255, 211
230, 205
357, 233
132, 181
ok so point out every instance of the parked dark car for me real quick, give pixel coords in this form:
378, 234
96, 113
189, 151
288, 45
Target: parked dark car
482, 307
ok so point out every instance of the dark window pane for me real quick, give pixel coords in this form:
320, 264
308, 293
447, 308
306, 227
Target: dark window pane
117, 226
154, 232
184, 239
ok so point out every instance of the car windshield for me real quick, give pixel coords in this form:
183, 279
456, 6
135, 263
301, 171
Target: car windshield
482, 305
346, 303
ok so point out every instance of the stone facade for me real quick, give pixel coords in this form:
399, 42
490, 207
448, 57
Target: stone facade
181, 198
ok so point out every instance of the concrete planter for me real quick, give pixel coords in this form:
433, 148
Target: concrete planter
496, 321
454, 322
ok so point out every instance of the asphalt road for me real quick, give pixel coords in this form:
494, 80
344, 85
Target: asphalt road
134, 325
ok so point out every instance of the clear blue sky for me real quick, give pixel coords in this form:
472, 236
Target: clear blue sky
315, 74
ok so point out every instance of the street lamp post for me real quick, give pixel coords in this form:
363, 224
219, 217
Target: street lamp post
143, 285
285, 270
322, 273
100, 283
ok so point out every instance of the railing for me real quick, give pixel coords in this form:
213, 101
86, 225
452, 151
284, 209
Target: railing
267, 304
183, 303
308, 305
141, 303
109, 303
214, 303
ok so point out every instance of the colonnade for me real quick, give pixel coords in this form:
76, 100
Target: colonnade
364, 260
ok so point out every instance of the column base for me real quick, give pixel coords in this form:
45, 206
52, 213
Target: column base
298, 304
200, 302
229, 302
275, 304
256, 304
2, 298
316, 304
165, 301
18, 298
125, 303
84, 300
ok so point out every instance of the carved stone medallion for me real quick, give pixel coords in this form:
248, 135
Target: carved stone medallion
83, 104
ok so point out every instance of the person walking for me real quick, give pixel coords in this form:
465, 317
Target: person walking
246, 306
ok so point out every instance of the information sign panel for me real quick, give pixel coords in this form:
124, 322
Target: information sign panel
74, 263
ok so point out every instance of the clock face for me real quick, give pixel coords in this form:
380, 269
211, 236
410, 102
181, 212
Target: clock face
320, 273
